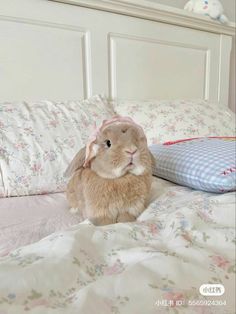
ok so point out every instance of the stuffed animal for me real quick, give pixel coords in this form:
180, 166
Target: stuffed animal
112, 176
212, 8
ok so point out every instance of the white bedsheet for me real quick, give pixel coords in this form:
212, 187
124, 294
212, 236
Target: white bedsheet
183, 240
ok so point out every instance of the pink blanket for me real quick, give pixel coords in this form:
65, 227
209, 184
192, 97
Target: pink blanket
27, 219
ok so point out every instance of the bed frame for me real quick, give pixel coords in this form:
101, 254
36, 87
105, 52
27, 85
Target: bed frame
78, 48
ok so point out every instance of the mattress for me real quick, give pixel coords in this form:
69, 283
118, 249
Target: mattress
27, 219
157, 264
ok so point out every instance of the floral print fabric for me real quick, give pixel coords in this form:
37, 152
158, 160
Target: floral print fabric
39, 139
174, 120
155, 265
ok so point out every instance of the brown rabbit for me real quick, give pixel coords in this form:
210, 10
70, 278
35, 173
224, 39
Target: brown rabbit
112, 176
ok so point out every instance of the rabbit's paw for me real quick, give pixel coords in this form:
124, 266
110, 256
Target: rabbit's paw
125, 217
74, 210
102, 221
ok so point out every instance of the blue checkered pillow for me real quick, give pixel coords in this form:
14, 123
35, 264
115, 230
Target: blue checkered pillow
206, 164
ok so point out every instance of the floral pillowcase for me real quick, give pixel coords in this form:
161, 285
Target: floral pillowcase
39, 139
174, 120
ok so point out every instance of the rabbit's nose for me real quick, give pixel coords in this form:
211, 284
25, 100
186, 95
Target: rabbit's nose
131, 151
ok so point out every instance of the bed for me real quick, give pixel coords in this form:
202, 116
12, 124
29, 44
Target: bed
179, 256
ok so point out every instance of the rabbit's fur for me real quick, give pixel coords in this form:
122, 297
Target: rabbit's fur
111, 183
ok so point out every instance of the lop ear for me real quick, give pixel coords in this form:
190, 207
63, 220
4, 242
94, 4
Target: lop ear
76, 163
153, 160
90, 153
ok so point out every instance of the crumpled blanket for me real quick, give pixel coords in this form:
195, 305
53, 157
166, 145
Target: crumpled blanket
157, 264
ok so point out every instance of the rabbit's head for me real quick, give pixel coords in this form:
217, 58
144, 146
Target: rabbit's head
118, 147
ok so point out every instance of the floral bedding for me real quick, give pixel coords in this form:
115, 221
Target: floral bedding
170, 120
38, 140
157, 264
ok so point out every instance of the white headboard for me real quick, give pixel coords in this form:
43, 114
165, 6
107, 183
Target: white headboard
59, 51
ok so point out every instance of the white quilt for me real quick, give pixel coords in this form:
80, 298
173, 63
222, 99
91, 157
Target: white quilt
156, 265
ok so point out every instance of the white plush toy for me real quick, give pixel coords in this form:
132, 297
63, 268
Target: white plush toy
213, 8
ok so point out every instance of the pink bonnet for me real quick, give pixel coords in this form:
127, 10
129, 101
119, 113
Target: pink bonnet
114, 120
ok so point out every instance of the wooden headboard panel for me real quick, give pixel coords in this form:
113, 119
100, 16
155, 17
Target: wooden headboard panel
59, 51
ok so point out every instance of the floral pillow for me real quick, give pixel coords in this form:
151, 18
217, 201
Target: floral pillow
173, 120
39, 139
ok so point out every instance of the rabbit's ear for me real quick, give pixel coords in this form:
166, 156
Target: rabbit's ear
76, 163
91, 152
153, 160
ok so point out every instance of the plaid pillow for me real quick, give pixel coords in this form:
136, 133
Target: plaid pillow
206, 164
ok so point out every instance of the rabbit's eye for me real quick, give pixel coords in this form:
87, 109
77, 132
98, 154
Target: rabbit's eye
108, 143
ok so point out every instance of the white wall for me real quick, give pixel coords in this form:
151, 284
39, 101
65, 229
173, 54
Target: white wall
229, 7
